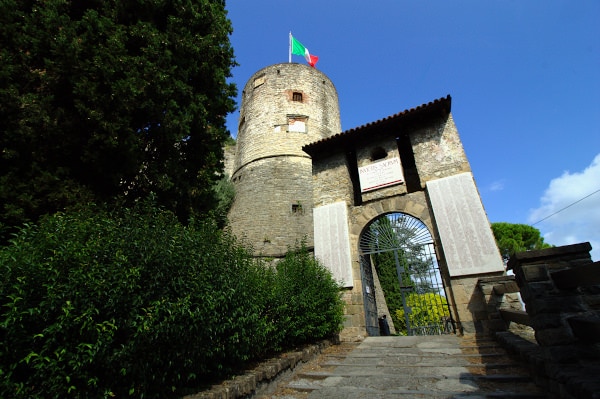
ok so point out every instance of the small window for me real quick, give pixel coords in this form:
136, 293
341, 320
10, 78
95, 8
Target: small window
378, 153
297, 209
297, 96
259, 81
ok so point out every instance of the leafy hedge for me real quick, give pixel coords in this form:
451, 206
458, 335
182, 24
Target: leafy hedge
307, 298
134, 304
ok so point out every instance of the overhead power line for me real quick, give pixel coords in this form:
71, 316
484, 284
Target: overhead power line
568, 206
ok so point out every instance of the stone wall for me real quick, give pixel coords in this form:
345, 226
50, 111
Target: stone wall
229, 159
273, 206
549, 308
560, 287
439, 151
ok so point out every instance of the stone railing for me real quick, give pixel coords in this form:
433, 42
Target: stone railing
560, 288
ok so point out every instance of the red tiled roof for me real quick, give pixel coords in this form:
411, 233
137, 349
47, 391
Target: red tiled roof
428, 110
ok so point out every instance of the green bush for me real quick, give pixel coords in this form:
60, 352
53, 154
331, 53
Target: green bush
134, 304
308, 298
98, 304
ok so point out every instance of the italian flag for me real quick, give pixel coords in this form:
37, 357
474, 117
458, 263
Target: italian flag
298, 48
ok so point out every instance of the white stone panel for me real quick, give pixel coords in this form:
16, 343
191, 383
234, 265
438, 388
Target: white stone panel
380, 174
296, 126
464, 229
332, 241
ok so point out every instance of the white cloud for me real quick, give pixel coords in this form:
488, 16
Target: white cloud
575, 213
498, 185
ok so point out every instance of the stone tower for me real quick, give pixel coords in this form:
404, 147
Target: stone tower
284, 107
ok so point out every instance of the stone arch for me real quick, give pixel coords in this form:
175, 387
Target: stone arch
407, 245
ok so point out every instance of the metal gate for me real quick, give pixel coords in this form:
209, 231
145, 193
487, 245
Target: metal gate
400, 244
371, 320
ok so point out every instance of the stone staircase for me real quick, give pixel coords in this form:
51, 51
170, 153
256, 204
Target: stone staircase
411, 367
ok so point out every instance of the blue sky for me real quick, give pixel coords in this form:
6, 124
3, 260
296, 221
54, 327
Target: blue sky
524, 76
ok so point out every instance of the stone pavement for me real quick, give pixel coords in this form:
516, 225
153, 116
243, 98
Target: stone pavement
411, 367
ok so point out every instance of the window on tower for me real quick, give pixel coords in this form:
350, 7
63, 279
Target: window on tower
297, 96
258, 81
297, 123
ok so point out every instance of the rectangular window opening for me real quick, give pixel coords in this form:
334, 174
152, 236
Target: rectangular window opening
297, 209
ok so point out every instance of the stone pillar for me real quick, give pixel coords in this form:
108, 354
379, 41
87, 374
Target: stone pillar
500, 293
549, 308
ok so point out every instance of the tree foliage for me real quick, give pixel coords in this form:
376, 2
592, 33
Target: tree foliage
512, 238
106, 99
134, 304
224, 191
428, 311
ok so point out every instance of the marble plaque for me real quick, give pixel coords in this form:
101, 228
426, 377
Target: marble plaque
332, 241
380, 174
464, 229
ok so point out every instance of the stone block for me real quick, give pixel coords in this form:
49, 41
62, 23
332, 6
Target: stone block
480, 315
537, 289
378, 207
547, 320
556, 304
356, 298
387, 205
415, 208
354, 309
506, 287
578, 250
593, 301
496, 325
470, 327
554, 336
533, 273
558, 357
486, 288
461, 297
347, 322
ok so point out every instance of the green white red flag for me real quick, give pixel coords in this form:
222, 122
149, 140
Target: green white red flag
298, 48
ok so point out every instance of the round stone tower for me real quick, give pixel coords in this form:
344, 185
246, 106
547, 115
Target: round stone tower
284, 107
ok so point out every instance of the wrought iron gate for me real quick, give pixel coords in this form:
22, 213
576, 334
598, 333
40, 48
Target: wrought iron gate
403, 242
371, 320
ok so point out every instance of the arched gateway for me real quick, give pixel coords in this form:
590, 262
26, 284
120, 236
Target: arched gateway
399, 249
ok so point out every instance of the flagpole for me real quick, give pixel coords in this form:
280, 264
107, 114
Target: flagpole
290, 49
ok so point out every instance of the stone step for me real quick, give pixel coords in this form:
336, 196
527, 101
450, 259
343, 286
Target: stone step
442, 374
324, 385
487, 368
416, 367
348, 392
471, 361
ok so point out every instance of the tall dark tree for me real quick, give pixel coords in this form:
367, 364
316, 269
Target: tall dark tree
110, 100
512, 238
